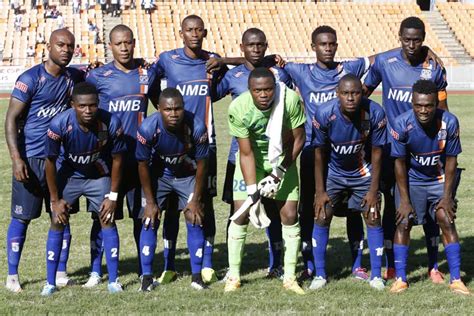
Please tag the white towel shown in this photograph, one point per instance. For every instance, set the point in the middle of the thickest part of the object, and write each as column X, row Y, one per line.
column 274, row 126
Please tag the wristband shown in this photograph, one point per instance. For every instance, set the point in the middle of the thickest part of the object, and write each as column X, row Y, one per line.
column 112, row 196
column 251, row 189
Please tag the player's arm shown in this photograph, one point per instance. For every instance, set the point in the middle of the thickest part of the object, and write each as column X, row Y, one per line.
column 195, row 205
column 446, row 203
column 15, row 110
column 443, row 100
column 293, row 146
column 247, row 161
column 321, row 198
column 371, row 199
column 154, row 92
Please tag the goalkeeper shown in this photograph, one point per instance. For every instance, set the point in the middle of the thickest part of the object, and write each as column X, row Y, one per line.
column 268, row 122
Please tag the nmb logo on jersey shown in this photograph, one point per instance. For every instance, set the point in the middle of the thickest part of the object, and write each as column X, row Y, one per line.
column 50, row 111
column 127, row 104
column 427, row 161
column 401, row 95
column 84, row 159
column 321, row 97
column 196, row 88
column 347, row 149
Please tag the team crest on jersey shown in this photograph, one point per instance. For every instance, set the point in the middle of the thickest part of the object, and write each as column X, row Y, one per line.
column 69, row 128
column 143, row 77
column 332, row 117
column 425, row 74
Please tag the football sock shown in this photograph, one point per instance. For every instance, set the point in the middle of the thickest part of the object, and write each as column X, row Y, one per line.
column 401, row 255
column 388, row 225
column 275, row 243
column 453, row 256
column 15, row 239
column 306, row 225
column 62, row 266
column 320, row 242
column 431, row 230
column 209, row 228
column 147, row 252
column 53, row 252
column 137, row 229
column 195, row 246
column 375, row 241
column 170, row 236
column 292, row 238
column 97, row 247
column 235, row 245
column 355, row 235
column 112, row 251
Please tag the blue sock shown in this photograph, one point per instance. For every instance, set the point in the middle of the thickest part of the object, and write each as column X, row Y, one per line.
column 137, row 229
column 453, row 256
column 53, row 252
column 306, row 226
column 389, row 227
column 375, row 241
column 15, row 239
column 320, row 242
column 307, row 253
column 112, row 251
column 195, row 246
column 62, row 266
column 431, row 230
column 97, row 247
column 355, row 235
column 275, row 243
column 147, row 252
column 170, row 236
column 401, row 254
column 209, row 227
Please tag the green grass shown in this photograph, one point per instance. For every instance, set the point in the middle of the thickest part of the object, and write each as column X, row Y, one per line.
column 342, row 295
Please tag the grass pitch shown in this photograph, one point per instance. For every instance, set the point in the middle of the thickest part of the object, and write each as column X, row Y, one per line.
column 341, row 296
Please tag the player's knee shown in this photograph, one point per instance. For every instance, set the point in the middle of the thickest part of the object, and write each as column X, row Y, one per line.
column 444, row 222
column 324, row 222
column 56, row 225
column 373, row 222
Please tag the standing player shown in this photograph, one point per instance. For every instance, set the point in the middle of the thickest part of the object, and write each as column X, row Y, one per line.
column 39, row 94
column 235, row 81
column 177, row 145
column 249, row 116
column 84, row 150
column 425, row 146
column 398, row 70
column 185, row 70
column 124, row 87
column 349, row 134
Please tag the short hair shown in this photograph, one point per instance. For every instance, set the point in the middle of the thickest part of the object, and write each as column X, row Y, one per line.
column 253, row 31
column 261, row 72
column 84, row 88
column 170, row 93
column 412, row 22
column 191, row 17
column 349, row 77
column 120, row 28
column 322, row 29
column 425, row 87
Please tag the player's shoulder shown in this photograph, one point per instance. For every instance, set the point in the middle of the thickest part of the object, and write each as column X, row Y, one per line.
column 406, row 121
column 447, row 117
column 210, row 54
column 328, row 110
column 372, row 106
column 102, row 71
column 292, row 66
column 64, row 118
column 32, row 74
column 291, row 95
column 390, row 57
column 236, row 72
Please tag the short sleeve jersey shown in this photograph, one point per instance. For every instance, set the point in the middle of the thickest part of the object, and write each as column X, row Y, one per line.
column 426, row 155
column 350, row 142
column 84, row 154
column 171, row 154
column 45, row 97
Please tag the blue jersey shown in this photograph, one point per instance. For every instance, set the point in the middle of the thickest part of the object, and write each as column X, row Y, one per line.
column 189, row 76
column 126, row 95
column 351, row 144
column 45, row 96
column 172, row 155
column 235, row 82
column 317, row 85
column 397, row 77
column 84, row 154
column 426, row 154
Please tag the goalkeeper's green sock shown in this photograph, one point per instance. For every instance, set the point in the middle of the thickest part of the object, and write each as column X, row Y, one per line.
column 235, row 245
column 291, row 237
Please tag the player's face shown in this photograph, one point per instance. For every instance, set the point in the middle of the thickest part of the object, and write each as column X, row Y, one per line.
column 193, row 33
column 412, row 41
column 254, row 47
column 325, row 47
column 86, row 107
column 172, row 111
column 262, row 91
column 61, row 48
column 349, row 93
column 424, row 106
column 122, row 45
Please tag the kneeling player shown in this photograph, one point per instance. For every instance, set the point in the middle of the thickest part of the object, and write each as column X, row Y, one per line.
column 354, row 128
column 177, row 145
column 250, row 121
column 89, row 144
column 428, row 138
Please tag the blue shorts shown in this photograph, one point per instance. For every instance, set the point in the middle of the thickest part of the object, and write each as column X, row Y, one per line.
column 94, row 190
column 339, row 189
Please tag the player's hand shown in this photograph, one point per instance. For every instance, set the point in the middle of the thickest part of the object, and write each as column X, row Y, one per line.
column 107, row 211
column 20, row 170
column 321, row 200
column 60, row 210
column 194, row 212
column 371, row 202
column 214, row 64
column 430, row 55
column 270, row 185
column 405, row 213
column 448, row 205
column 279, row 61
column 151, row 215
column 94, row 65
